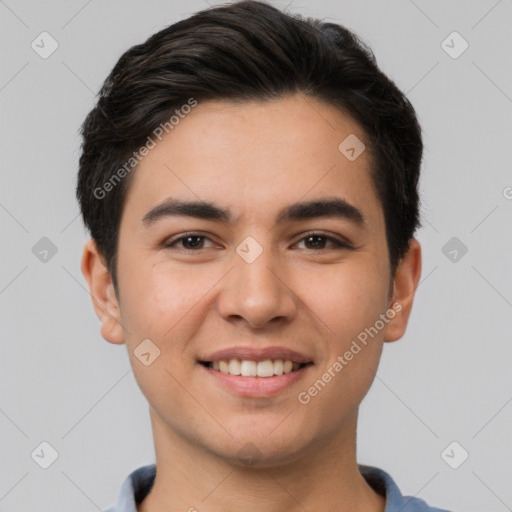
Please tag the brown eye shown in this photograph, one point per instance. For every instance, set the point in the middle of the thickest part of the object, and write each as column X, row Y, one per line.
column 189, row 242
column 318, row 241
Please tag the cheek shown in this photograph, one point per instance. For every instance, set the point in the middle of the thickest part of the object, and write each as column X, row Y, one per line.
column 347, row 298
column 154, row 295
column 167, row 303
column 158, row 304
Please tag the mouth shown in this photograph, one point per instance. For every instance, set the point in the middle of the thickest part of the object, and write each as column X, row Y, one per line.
column 250, row 368
column 255, row 373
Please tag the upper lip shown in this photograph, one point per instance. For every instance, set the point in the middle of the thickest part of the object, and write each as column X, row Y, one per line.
column 257, row 354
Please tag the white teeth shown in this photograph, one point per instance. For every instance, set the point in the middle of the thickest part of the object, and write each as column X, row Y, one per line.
column 265, row 368
column 246, row 368
column 223, row 367
column 235, row 367
column 278, row 367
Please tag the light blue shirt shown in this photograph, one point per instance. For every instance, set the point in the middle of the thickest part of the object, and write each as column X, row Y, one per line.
column 138, row 484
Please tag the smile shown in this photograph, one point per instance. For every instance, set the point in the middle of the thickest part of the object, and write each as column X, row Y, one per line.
column 255, row 372
column 248, row 368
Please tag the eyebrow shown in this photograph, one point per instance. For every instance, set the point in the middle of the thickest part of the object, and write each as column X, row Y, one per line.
column 331, row 207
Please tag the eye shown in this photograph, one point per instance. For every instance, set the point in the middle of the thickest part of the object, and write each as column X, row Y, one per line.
column 189, row 242
column 317, row 241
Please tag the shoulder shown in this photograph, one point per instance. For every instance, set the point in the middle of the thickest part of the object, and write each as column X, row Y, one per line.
column 134, row 489
column 384, row 484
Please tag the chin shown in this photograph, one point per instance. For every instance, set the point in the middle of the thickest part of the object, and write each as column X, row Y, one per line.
column 262, row 450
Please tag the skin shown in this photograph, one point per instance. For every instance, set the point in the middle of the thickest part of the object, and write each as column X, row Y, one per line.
column 254, row 159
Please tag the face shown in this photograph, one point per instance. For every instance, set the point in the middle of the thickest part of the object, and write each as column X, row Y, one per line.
column 278, row 277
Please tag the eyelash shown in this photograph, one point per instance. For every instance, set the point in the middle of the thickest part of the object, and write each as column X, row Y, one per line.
column 339, row 245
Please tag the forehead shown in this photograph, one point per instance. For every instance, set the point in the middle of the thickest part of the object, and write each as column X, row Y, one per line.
column 256, row 157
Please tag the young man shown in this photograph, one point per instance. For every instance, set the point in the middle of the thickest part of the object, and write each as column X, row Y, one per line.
column 249, row 180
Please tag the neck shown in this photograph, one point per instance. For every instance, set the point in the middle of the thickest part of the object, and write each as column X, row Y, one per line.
column 324, row 479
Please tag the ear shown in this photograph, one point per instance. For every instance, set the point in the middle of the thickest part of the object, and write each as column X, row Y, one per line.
column 102, row 293
column 405, row 283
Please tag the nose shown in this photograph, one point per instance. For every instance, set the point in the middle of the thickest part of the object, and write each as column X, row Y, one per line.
column 257, row 292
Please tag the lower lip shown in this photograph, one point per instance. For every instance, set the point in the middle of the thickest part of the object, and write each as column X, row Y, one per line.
column 257, row 387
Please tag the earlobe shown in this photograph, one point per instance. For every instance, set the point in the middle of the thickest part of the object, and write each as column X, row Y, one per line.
column 102, row 292
column 406, row 281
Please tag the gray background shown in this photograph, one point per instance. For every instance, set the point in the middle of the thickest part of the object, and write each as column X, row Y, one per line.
column 447, row 380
